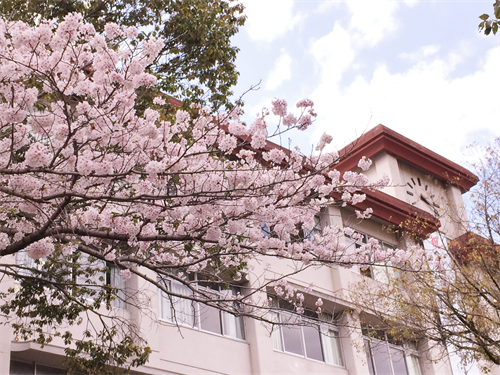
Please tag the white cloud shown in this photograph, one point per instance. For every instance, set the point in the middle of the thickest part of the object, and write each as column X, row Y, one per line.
column 333, row 53
column 372, row 20
column 411, row 3
column 422, row 53
column 423, row 103
column 281, row 71
column 325, row 6
column 270, row 19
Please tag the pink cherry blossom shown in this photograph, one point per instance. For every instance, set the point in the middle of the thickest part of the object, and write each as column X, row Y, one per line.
column 324, row 140
column 304, row 103
column 40, row 249
column 279, row 107
column 289, row 120
column 364, row 163
column 82, row 169
column 37, row 155
column 126, row 274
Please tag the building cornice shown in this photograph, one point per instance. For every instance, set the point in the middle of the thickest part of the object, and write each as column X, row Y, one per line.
column 400, row 213
column 397, row 212
column 381, row 138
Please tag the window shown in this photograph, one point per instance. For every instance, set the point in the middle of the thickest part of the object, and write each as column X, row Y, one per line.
column 99, row 274
column 102, row 273
column 116, row 281
column 23, row 368
column 23, row 260
column 386, row 358
column 198, row 315
column 379, row 272
column 307, row 337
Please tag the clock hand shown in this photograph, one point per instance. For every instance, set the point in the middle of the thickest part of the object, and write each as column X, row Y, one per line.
column 425, row 199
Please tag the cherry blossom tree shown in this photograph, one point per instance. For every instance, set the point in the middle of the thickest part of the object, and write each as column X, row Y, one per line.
column 89, row 182
column 197, row 59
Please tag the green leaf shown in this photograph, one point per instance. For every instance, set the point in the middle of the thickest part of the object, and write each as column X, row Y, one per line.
column 497, row 11
column 494, row 28
column 484, row 17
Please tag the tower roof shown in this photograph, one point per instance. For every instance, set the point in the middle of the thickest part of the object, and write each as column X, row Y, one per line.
column 381, row 138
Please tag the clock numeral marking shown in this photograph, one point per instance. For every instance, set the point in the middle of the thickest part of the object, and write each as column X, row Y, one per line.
column 413, row 181
column 419, row 183
column 409, row 193
column 409, row 185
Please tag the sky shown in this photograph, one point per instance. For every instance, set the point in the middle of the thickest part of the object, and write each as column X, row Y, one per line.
column 419, row 67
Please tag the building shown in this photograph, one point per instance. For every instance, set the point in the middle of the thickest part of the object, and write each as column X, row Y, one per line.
column 207, row 341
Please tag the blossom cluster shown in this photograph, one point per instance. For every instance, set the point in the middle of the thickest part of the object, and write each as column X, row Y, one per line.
column 80, row 165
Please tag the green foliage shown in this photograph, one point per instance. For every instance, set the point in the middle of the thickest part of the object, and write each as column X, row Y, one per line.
column 116, row 351
column 488, row 24
column 197, row 62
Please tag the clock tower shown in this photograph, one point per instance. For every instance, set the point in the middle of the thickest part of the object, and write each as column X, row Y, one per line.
column 423, row 183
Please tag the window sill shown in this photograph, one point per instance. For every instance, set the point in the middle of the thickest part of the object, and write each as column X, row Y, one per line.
column 169, row 323
column 309, row 359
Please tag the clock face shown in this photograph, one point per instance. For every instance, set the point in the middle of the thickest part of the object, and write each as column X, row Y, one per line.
column 420, row 191
column 423, row 191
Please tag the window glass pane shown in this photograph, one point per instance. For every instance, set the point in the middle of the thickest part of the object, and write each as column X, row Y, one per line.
column 233, row 325
column 91, row 281
column 44, row 370
column 165, row 303
column 380, row 353
column 23, row 260
column 292, row 338
column 88, row 262
column 331, row 347
column 210, row 319
column 398, row 361
column 369, row 357
column 183, row 309
column 118, row 282
column 165, row 306
column 21, row 368
column 351, row 245
column 413, row 363
column 366, row 271
column 276, row 332
column 312, row 341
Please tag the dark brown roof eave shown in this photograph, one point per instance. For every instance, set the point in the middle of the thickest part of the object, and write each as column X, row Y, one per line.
column 381, row 138
column 398, row 213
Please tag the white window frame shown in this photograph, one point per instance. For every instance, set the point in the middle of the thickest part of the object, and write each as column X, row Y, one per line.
column 231, row 326
column 411, row 358
column 327, row 334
